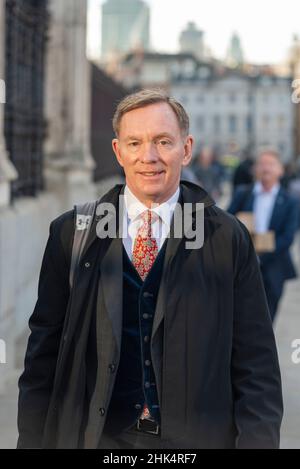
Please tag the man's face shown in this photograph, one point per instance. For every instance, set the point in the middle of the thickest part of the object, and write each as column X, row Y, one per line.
column 152, row 150
column 268, row 170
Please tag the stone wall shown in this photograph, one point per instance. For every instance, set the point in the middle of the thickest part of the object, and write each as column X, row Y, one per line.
column 24, row 226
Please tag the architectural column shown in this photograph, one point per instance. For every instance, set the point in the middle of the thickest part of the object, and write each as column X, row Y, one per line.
column 8, row 172
column 69, row 164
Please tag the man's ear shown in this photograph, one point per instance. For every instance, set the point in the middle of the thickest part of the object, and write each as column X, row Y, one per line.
column 188, row 150
column 116, row 149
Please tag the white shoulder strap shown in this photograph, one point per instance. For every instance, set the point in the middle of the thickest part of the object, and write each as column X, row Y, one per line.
column 84, row 215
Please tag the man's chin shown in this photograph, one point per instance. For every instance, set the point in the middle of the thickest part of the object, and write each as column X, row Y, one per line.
column 152, row 193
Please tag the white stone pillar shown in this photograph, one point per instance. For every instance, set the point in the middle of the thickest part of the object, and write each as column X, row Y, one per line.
column 8, row 172
column 69, row 164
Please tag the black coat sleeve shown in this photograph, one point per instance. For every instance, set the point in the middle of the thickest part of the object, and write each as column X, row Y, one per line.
column 46, row 324
column 256, row 379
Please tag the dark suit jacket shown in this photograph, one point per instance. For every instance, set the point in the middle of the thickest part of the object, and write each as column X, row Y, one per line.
column 212, row 346
column 284, row 222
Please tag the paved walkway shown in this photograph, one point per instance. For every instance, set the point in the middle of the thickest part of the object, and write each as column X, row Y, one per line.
column 287, row 329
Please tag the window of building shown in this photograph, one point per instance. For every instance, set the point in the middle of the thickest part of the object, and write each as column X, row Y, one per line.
column 232, row 124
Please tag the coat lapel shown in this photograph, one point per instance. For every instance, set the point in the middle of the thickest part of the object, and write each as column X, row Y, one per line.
column 249, row 202
column 171, row 249
column 186, row 196
column 111, row 269
column 112, row 198
column 112, row 282
column 111, row 265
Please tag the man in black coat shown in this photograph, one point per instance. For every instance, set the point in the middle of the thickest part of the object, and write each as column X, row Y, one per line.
column 274, row 210
column 163, row 341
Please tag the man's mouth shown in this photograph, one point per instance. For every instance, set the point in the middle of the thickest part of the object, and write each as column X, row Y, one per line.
column 151, row 173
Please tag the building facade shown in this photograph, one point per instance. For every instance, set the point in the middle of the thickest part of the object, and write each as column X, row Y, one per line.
column 192, row 41
column 125, row 26
column 294, row 65
column 234, row 112
column 235, row 54
column 106, row 93
column 151, row 69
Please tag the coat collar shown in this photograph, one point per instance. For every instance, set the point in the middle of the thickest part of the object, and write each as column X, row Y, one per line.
column 189, row 193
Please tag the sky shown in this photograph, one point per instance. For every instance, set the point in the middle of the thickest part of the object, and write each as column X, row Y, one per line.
column 266, row 27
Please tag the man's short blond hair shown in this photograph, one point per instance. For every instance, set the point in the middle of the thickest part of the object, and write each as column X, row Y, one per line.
column 269, row 151
column 146, row 98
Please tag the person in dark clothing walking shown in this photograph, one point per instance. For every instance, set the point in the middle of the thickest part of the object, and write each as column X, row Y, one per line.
column 274, row 210
column 244, row 173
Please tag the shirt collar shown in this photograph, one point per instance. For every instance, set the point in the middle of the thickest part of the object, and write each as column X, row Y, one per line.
column 258, row 189
column 135, row 207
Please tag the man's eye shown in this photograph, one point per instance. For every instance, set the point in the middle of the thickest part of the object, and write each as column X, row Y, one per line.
column 133, row 144
column 164, row 142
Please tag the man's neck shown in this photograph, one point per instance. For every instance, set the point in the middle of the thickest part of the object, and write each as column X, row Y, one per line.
column 268, row 186
column 153, row 201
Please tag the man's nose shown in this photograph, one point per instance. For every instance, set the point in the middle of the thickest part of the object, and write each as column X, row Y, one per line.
column 149, row 154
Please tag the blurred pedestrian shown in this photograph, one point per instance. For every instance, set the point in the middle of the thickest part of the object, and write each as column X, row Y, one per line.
column 293, row 185
column 274, row 210
column 208, row 171
column 243, row 174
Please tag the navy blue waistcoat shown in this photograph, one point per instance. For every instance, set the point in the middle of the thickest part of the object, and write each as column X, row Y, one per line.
column 135, row 380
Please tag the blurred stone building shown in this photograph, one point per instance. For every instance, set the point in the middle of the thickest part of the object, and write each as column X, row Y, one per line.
column 153, row 69
column 235, row 111
column 105, row 95
column 125, row 27
column 294, row 65
column 191, row 40
column 46, row 163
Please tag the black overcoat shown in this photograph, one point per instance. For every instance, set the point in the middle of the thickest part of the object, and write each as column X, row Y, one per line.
column 212, row 346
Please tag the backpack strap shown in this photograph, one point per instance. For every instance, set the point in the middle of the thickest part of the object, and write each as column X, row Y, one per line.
column 83, row 216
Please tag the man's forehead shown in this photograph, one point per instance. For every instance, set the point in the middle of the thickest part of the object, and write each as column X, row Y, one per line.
column 270, row 158
column 147, row 123
column 152, row 114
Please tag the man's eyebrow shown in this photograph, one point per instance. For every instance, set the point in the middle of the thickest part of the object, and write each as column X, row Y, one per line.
column 164, row 134
column 132, row 137
column 160, row 135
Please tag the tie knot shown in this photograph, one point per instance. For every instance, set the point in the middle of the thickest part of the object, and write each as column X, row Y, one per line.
column 148, row 217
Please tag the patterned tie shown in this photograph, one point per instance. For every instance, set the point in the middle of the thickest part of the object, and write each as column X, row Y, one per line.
column 144, row 254
column 145, row 247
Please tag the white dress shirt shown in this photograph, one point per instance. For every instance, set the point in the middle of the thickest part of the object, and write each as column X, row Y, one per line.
column 132, row 220
column 264, row 202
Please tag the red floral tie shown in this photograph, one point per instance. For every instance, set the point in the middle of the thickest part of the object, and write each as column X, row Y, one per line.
column 144, row 254
column 145, row 247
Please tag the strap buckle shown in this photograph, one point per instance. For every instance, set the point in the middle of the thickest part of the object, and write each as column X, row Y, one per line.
column 148, row 426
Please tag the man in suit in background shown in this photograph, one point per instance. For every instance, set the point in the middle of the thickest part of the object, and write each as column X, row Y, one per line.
column 154, row 346
column 274, row 210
